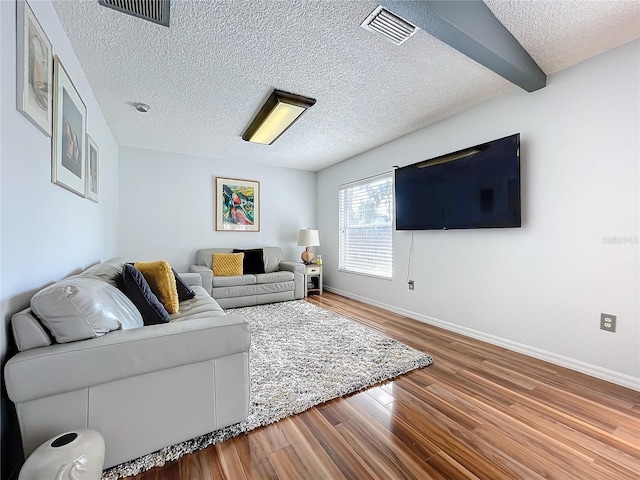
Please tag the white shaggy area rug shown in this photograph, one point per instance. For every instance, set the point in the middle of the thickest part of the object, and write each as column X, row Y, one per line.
column 301, row 355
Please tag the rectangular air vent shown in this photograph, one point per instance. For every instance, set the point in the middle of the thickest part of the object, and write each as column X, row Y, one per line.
column 156, row 11
column 389, row 25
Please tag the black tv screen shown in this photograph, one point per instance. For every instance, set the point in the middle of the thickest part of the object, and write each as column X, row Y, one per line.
column 478, row 187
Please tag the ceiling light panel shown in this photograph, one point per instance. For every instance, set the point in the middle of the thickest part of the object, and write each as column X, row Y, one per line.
column 276, row 116
column 282, row 114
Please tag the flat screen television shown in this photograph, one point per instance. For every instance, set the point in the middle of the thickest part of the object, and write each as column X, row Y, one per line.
column 478, row 187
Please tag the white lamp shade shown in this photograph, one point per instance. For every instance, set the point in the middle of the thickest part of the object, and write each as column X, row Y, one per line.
column 308, row 238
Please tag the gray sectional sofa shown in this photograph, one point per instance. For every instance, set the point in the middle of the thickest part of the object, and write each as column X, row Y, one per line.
column 142, row 388
column 283, row 280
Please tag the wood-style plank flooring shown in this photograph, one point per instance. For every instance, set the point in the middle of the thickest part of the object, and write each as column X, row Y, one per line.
column 479, row 411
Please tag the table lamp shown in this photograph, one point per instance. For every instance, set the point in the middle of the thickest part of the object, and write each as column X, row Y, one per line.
column 308, row 238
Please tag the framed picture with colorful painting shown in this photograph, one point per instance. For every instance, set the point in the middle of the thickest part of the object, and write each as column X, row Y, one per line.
column 69, row 133
column 237, row 205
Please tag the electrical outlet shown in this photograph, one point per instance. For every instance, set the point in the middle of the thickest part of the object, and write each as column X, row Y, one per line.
column 411, row 285
column 607, row 322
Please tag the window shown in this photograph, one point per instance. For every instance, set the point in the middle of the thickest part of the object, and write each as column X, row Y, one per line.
column 366, row 233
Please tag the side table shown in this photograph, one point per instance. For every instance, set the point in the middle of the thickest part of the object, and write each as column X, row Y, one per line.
column 312, row 279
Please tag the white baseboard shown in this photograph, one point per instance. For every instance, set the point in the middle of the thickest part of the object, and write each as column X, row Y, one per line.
column 567, row 362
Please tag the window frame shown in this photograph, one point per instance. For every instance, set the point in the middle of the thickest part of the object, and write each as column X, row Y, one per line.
column 346, row 266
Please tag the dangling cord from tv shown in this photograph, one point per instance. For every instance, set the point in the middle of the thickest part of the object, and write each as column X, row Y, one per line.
column 410, row 255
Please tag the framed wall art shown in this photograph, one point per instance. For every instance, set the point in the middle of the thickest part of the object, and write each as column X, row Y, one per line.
column 34, row 67
column 92, row 170
column 69, row 133
column 237, row 205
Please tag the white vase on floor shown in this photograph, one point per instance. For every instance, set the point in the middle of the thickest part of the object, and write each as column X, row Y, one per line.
column 77, row 455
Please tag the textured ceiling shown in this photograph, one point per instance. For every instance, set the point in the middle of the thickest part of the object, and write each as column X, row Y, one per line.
column 207, row 75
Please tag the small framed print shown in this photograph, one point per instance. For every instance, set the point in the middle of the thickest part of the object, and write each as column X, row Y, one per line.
column 92, row 170
column 237, row 205
column 34, row 68
column 69, row 133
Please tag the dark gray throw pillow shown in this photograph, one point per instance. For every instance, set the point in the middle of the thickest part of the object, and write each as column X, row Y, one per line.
column 184, row 291
column 253, row 260
column 137, row 289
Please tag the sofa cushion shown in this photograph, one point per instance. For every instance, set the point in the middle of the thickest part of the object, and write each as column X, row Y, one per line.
column 81, row 307
column 274, row 277
column 236, row 291
column 237, row 302
column 274, row 287
column 251, row 290
column 234, row 281
column 184, row 290
column 137, row 289
column 227, row 264
column 162, row 282
column 272, row 258
column 253, row 261
column 202, row 305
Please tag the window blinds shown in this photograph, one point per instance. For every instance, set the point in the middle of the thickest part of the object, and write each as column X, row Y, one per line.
column 366, row 230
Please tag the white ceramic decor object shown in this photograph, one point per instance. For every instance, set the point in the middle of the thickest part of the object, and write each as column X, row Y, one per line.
column 77, row 455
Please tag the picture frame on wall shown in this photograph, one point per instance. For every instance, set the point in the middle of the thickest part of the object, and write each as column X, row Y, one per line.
column 237, row 205
column 68, row 163
column 34, row 69
column 92, row 170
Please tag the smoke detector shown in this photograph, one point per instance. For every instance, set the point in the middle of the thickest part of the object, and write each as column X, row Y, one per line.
column 156, row 11
column 389, row 25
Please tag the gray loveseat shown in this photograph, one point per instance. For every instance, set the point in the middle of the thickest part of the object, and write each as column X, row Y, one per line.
column 142, row 388
column 283, row 280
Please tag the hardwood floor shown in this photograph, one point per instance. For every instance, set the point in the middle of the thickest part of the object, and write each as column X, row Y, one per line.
column 479, row 411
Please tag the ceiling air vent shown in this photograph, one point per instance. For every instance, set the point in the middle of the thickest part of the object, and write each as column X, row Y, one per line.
column 156, row 11
column 389, row 25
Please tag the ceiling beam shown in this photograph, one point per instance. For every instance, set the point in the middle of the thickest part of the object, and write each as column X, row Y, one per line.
column 472, row 29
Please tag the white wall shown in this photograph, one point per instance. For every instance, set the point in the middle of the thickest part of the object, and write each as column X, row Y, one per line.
column 47, row 232
column 539, row 289
column 167, row 206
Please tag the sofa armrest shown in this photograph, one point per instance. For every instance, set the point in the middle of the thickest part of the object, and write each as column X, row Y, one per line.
column 298, row 276
column 120, row 354
column 191, row 279
column 207, row 276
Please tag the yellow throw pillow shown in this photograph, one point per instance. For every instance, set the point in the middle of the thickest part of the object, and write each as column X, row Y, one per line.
column 160, row 278
column 227, row 264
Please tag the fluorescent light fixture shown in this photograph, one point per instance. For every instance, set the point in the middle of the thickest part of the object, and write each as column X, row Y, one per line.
column 278, row 113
